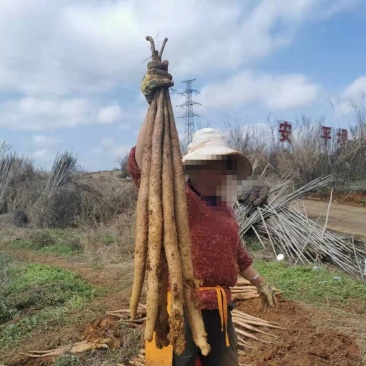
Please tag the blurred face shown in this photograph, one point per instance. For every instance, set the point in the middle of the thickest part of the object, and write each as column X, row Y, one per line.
column 215, row 177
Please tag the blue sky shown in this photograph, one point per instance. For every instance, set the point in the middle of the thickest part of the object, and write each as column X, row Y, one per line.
column 70, row 71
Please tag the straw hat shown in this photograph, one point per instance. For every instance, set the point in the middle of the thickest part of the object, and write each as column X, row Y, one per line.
column 209, row 144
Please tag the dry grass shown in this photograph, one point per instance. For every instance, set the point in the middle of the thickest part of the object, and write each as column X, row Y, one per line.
column 110, row 243
column 306, row 157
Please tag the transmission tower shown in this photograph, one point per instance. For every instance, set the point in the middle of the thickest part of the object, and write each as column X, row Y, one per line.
column 188, row 115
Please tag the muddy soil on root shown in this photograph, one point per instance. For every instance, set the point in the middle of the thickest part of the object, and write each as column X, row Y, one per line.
column 301, row 343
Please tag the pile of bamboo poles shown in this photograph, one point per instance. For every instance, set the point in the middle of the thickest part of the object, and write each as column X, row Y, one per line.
column 162, row 245
column 288, row 230
column 245, row 325
column 243, row 290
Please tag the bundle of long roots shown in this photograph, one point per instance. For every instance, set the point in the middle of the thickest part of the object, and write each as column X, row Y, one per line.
column 162, row 246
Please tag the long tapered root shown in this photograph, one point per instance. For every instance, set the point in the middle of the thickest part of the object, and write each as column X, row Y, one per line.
column 181, row 215
column 142, row 215
column 155, row 222
column 162, row 246
column 176, row 335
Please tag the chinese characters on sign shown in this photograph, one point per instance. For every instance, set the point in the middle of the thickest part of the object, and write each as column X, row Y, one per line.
column 285, row 130
column 342, row 136
column 326, row 134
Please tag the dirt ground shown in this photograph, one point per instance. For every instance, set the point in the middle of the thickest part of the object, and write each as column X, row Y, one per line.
column 351, row 198
column 342, row 217
column 302, row 342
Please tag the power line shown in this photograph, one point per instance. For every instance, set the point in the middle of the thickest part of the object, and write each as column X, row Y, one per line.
column 189, row 114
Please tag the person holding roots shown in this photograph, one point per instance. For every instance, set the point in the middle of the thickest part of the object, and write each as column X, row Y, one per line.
column 214, row 173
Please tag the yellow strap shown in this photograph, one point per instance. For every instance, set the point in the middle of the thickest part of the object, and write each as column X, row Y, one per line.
column 222, row 302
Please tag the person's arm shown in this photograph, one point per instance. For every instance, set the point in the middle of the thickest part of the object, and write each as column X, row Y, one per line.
column 247, row 270
column 140, row 144
column 253, row 276
column 133, row 168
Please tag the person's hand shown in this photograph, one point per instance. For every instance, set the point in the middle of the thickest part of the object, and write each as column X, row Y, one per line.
column 268, row 296
column 156, row 76
column 257, row 197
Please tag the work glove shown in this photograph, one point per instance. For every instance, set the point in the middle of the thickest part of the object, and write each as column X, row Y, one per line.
column 268, row 296
column 156, row 76
column 257, row 197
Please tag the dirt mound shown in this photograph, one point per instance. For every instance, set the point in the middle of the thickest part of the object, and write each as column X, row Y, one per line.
column 102, row 329
column 301, row 343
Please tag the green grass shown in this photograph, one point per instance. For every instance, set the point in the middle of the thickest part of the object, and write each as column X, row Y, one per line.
column 108, row 239
column 303, row 283
column 34, row 296
column 67, row 360
column 47, row 318
column 56, row 241
column 253, row 244
column 37, row 285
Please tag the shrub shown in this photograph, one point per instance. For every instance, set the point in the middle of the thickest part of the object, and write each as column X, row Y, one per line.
column 61, row 209
column 41, row 238
column 20, row 218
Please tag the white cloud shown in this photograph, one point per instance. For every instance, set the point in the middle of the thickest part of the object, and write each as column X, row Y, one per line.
column 277, row 92
column 108, row 142
column 355, row 90
column 73, row 47
column 39, row 154
column 35, row 113
column 44, row 140
column 121, row 150
column 110, row 114
column 109, row 146
column 352, row 95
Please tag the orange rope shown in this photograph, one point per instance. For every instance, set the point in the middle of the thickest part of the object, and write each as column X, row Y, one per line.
column 222, row 302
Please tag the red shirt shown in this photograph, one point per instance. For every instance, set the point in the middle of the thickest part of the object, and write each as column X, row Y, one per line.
column 217, row 252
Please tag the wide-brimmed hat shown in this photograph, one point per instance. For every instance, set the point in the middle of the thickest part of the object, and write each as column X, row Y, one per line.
column 209, row 144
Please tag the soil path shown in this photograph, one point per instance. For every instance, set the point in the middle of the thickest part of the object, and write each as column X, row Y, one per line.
column 342, row 218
